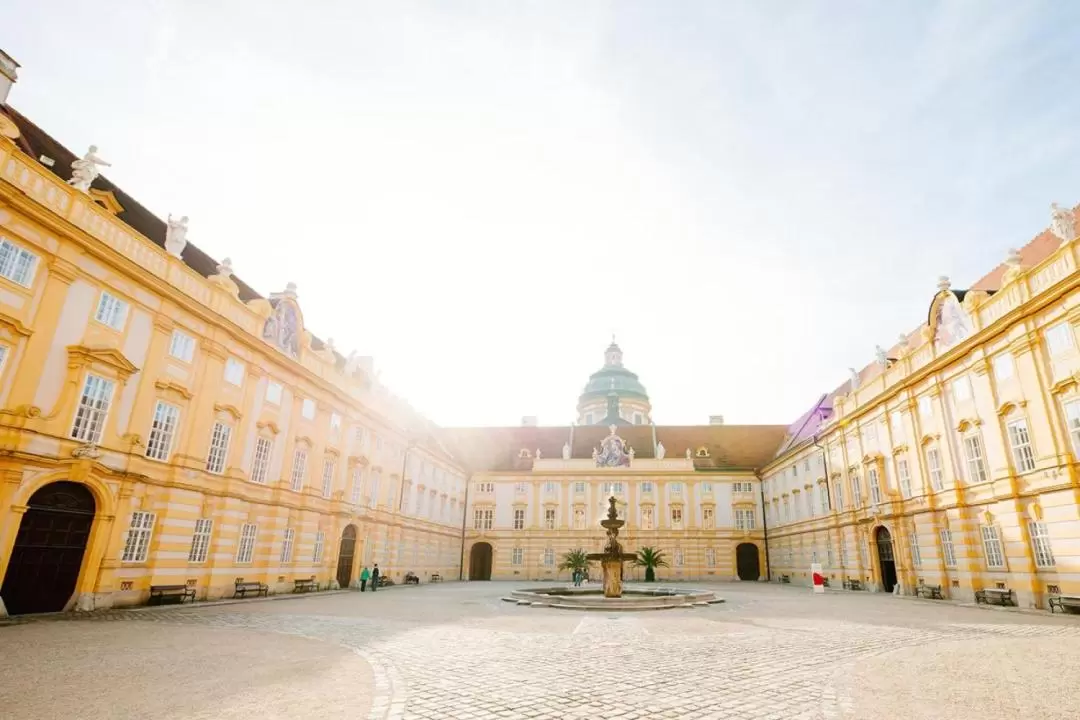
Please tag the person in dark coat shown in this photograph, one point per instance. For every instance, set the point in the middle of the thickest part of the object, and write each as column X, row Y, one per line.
column 375, row 578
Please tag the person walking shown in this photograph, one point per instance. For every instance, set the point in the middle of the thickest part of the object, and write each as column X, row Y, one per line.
column 375, row 578
column 364, row 575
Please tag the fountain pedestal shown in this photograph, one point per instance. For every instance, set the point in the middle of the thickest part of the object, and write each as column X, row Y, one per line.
column 612, row 577
column 612, row 559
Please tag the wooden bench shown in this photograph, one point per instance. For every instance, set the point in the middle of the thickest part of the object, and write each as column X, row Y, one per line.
column 258, row 588
column 994, row 596
column 436, row 578
column 159, row 594
column 384, row 581
column 851, row 584
column 784, row 579
column 305, row 586
column 929, row 591
column 411, row 578
column 1063, row 601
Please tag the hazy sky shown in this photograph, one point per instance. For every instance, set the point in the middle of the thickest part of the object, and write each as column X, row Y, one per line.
column 750, row 195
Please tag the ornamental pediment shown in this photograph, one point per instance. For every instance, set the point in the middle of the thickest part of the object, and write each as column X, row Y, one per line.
column 83, row 356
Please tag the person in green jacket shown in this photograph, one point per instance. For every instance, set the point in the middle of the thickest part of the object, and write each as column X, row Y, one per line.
column 364, row 576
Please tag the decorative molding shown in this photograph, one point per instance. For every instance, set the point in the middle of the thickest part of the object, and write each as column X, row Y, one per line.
column 268, row 425
column 1008, row 406
column 900, row 449
column 304, row 440
column 967, row 423
column 227, row 408
column 14, row 325
column 88, row 450
column 929, row 439
column 107, row 200
column 171, row 386
column 1064, row 385
column 63, row 270
column 1035, row 511
column 81, row 356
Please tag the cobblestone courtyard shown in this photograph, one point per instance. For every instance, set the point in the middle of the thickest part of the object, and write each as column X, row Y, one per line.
column 457, row 651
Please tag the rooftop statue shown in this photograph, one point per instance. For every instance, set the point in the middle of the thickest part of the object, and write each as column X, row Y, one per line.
column 660, row 451
column 176, row 235
column 1062, row 222
column 85, row 171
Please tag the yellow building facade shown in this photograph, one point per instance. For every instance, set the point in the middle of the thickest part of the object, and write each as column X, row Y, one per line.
column 950, row 460
column 163, row 424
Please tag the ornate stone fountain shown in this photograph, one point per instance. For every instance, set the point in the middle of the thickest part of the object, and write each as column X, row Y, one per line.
column 613, row 557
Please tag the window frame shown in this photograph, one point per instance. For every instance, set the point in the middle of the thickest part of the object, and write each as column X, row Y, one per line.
column 1042, row 550
column 115, row 310
column 1020, row 445
column 217, row 454
column 139, row 534
column 90, row 427
column 260, row 461
column 992, row 546
column 164, row 428
column 14, row 254
column 233, row 367
column 200, row 540
column 186, row 346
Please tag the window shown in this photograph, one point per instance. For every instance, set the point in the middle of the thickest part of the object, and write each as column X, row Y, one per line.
column 647, row 518
column 933, row 463
column 549, row 488
column 1059, row 338
column 335, row 423
column 485, row 487
column 838, row 494
column 637, row 419
column 992, row 547
column 519, row 519
column 973, row 449
column 856, row 490
column 549, row 557
column 787, row 510
column 162, row 430
column 287, row 545
column 482, row 518
column 742, row 487
column 678, row 557
column 111, row 311
column 1020, row 441
column 329, row 467
column 1040, row 544
column 708, row 518
column 93, row 409
column 588, row 418
column 375, row 478
column 1004, row 368
column 744, row 519
column 809, row 498
column 579, row 487
column 517, row 557
column 916, row 553
column 706, row 487
column 16, row 264
column 843, row 551
column 182, row 346
column 904, row 476
column 137, row 543
column 676, row 488
column 875, row 485
column 961, row 389
column 947, row 551
column 200, row 540
column 710, row 557
column 320, row 541
column 307, row 409
column 926, row 406
column 219, row 448
column 273, row 393
column 579, row 519
column 246, row 549
column 357, row 484
column 261, row 464
column 299, row 470
column 234, row 372
column 521, row 488
column 549, row 518
column 676, row 517
column 823, row 495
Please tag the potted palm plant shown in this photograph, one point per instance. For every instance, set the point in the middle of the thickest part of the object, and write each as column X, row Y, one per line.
column 650, row 558
column 575, row 561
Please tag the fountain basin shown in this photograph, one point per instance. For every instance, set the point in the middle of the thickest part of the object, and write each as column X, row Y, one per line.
column 568, row 597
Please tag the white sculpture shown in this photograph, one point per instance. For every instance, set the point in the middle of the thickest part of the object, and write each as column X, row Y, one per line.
column 595, row 453
column 84, row 171
column 631, row 453
column 176, row 235
column 1062, row 222
column 943, row 283
column 225, row 268
column 537, row 453
column 688, row 456
column 660, row 451
column 854, row 378
column 882, row 358
column 566, row 451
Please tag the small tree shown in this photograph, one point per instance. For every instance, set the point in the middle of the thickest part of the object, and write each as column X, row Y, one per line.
column 575, row 560
column 650, row 558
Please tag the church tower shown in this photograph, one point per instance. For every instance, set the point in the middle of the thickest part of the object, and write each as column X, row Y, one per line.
column 614, row 395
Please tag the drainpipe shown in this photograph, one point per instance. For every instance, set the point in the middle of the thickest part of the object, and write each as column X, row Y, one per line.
column 464, row 519
column 828, row 478
column 653, row 426
column 764, row 525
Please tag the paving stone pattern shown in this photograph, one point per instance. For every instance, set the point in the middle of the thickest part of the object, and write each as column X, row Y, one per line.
column 456, row 651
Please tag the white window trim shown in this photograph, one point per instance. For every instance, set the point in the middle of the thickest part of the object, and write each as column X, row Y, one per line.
column 234, row 367
column 182, row 346
column 164, row 424
column 218, row 454
column 137, row 541
column 92, row 412
column 14, row 253
column 200, row 540
column 111, row 311
column 245, row 548
column 260, row 462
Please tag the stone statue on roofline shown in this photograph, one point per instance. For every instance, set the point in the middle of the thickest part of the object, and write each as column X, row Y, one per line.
column 854, row 378
column 1062, row 222
column 881, row 356
column 225, row 269
column 176, row 235
column 566, row 451
column 688, row 454
column 85, row 170
column 660, row 451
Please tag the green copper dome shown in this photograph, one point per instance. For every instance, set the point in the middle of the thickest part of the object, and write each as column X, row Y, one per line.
column 613, row 377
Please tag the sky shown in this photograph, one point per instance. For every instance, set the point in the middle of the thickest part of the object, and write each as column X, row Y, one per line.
column 749, row 195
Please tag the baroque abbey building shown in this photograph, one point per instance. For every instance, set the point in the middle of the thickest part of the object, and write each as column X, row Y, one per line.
column 162, row 423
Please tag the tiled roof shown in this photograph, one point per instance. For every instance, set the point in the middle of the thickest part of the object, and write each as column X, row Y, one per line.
column 807, row 425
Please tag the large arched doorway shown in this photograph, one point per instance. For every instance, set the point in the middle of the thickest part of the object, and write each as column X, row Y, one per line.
column 747, row 565
column 885, row 558
column 346, row 551
column 49, row 549
column 480, row 561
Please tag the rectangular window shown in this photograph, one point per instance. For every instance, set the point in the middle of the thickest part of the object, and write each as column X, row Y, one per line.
column 485, row 487
column 482, row 518
column 742, row 487
column 710, row 557
column 961, row 389
column 287, row 545
column 1040, row 544
column 219, row 448
column 261, row 464
column 856, row 491
column 904, row 476
column 1059, row 338
column 3, row 357
column 182, row 346
column 93, row 409
column 676, row 488
column 517, row 557
column 896, row 420
column 137, row 544
column 933, row 463
column 708, row 518
column 647, row 518
column 234, row 372
column 947, row 551
column 823, row 498
column 335, row 423
column 200, row 540
column 549, row 557
column 329, row 468
column 549, row 488
column 992, row 547
column 299, row 470
column 676, row 517
column 162, row 431
column 357, row 484
column 320, row 541
column 838, row 494
column 926, row 406
column 874, row 482
column 17, row 264
column 519, row 519
column 376, row 477
column 678, row 557
column 745, row 519
column 976, row 463
column 579, row 519
column 916, row 553
column 809, row 503
column 111, row 311
column 579, row 487
column 307, row 409
column 246, row 549
column 843, row 551
column 706, row 487
column 549, row 518
column 273, row 393
column 359, row 437
column 1020, row 440
column 1004, row 367
column 521, row 488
